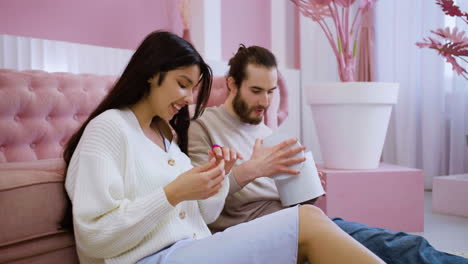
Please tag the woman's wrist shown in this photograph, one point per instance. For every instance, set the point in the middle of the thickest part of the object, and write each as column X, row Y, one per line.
column 172, row 195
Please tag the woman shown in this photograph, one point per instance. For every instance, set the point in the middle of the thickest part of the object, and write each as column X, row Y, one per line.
column 136, row 197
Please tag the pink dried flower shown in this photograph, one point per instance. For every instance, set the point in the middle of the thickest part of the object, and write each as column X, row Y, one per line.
column 450, row 8
column 430, row 43
column 453, row 36
column 366, row 4
column 449, row 51
column 314, row 9
column 455, row 49
column 455, row 66
column 320, row 2
column 344, row 3
column 344, row 38
column 453, row 44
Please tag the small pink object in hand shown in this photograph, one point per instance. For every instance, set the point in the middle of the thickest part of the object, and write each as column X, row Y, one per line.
column 215, row 146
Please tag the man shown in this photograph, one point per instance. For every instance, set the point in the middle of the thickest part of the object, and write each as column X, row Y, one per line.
column 252, row 81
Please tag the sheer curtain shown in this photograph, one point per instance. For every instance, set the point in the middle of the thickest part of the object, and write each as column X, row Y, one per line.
column 365, row 59
column 431, row 118
column 24, row 53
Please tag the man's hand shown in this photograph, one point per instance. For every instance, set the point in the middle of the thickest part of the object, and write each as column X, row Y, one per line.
column 229, row 155
column 268, row 161
column 322, row 178
column 313, row 201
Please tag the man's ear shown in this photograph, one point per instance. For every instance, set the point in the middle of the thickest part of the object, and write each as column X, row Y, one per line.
column 232, row 87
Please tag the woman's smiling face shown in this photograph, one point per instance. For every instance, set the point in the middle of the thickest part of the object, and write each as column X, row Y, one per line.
column 175, row 91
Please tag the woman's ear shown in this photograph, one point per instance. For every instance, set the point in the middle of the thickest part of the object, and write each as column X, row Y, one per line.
column 154, row 79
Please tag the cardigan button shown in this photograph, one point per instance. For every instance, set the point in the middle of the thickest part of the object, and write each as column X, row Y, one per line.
column 182, row 215
column 171, row 162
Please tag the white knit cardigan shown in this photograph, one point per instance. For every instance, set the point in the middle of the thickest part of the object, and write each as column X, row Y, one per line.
column 115, row 181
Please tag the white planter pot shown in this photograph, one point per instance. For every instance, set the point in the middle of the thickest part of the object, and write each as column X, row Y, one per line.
column 351, row 120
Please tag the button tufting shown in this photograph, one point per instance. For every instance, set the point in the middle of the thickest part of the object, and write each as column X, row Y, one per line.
column 75, row 117
column 48, row 118
column 32, row 145
column 17, row 118
column 2, row 148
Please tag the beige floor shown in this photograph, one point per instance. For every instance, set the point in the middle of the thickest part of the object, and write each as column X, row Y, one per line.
column 444, row 232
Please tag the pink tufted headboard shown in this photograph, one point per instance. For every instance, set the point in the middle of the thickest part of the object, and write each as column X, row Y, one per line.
column 39, row 111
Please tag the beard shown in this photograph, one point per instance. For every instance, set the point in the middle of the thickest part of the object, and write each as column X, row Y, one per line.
column 244, row 112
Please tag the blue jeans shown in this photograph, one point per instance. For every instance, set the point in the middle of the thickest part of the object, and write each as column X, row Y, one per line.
column 397, row 247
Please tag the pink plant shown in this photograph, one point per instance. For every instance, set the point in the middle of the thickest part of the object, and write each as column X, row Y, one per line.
column 344, row 39
column 451, row 44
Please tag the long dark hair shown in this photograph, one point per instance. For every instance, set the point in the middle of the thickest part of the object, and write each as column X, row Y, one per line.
column 159, row 53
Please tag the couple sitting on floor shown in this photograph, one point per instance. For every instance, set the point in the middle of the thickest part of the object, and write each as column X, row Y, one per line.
column 137, row 197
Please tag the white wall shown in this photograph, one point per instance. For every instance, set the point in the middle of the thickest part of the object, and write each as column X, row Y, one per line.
column 205, row 23
column 292, row 125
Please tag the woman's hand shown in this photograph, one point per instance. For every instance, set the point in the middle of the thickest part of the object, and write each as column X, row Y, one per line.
column 198, row 183
column 229, row 155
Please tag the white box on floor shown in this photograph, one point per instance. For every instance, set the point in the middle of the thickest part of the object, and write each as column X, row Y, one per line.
column 450, row 194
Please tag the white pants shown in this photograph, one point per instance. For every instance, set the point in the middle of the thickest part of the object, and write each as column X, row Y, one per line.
column 271, row 239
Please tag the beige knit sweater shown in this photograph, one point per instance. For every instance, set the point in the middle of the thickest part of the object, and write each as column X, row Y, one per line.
column 218, row 126
column 115, row 181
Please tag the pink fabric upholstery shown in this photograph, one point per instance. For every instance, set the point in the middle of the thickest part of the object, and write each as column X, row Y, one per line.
column 38, row 113
column 219, row 91
column 41, row 197
column 43, row 109
column 57, row 248
column 40, row 110
column 56, row 165
column 281, row 113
